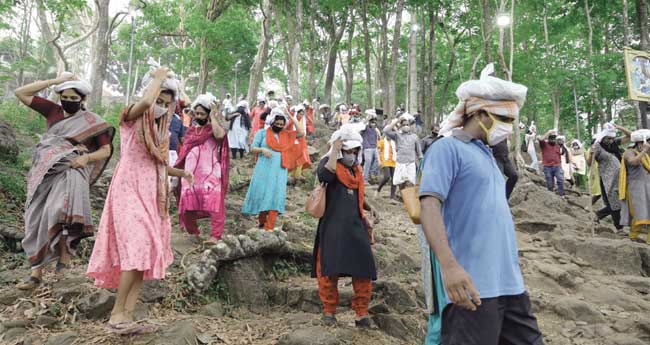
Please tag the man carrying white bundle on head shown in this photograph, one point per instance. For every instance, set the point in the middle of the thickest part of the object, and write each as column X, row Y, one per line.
column 467, row 222
column 407, row 146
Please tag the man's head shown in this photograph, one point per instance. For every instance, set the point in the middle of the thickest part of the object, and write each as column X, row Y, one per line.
column 552, row 139
column 488, row 127
column 608, row 141
column 435, row 129
column 372, row 123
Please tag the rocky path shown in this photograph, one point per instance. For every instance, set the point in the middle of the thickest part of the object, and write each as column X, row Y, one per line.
column 585, row 289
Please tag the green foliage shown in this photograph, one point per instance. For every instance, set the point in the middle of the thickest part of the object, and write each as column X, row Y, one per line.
column 21, row 118
column 284, row 269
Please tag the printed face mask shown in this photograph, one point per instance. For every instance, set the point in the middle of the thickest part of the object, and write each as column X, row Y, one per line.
column 498, row 132
column 159, row 111
column 71, row 107
column 348, row 159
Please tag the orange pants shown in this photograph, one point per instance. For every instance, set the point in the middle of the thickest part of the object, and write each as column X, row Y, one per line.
column 267, row 219
column 329, row 292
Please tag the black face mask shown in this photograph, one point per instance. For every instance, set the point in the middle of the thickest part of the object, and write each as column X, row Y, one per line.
column 434, row 134
column 70, row 107
column 201, row 122
column 552, row 142
column 277, row 129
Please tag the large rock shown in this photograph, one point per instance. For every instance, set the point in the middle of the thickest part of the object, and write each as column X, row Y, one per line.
column 574, row 309
column 392, row 325
column 396, row 296
column 8, row 147
column 316, row 335
column 154, row 291
column 618, row 256
column 97, row 305
column 244, row 283
column 181, row 332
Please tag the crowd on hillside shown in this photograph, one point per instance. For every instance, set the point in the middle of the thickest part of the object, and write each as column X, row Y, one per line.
column 454, row 179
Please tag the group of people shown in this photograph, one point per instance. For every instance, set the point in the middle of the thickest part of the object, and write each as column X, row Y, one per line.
column 617, row 176
column 474, row 287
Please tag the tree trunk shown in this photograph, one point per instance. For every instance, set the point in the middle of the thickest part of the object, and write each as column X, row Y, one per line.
column 257, row 69
column 486, row 29
column 643, row 17
column 555, row 101
column 366, row 46
column 422, row 81
column 61, row 62
column 99, row 54
column 391, row 103
column 294, row 31
column 431, row 92
column 335, row 37
column 214, row 10
column 413, row 71
column 24, row 39
column 349, row 76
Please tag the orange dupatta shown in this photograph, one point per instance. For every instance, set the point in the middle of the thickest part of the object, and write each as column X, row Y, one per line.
column 283, row 144
column 352, row 181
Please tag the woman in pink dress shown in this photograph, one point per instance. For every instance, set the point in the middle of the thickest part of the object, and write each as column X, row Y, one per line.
column 133, row 241
column 205, row 153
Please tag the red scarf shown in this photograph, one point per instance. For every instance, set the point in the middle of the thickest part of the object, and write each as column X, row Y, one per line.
column 283, row 144
column 345, row 176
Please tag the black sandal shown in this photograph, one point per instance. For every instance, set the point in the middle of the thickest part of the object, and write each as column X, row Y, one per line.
column 29, row 283
column 365, row 323
column 61, row 267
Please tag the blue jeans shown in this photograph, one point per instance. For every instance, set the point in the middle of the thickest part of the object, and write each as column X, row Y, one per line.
column 371, row 163
column 554, row 173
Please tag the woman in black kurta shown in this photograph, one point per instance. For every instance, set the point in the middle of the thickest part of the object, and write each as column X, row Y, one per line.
column 342, row 246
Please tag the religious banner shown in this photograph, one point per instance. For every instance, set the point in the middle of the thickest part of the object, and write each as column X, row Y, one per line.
column 637, row 71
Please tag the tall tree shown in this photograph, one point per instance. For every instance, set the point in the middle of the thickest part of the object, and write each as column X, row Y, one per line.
column 214, row 10
column 334, row 24
column 412, row 69
column 257, row 68
column 391, row 103
column 366, row 55
column 348, row 72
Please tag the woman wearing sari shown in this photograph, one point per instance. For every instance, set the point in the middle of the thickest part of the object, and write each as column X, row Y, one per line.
column 69, row 158
column 205, row 154
column 267, row 192
column 299, row 152
column 634, row 185
column 133, row 241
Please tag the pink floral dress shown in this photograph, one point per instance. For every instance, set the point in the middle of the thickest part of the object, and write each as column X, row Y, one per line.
column 133, row 234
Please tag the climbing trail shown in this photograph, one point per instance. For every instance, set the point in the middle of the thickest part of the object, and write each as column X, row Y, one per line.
column 587, row 284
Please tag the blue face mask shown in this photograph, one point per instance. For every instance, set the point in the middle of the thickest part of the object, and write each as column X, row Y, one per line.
column 348, row 159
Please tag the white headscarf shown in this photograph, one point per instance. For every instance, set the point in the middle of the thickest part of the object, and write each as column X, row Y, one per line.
column 489, row 93
column 576, row 141
column 82, row 86
column 171, row 84
column 608, row 131
column 243, row 103
column 640, row 135
column 351, row 139
column 205, row 100
column 275, row 113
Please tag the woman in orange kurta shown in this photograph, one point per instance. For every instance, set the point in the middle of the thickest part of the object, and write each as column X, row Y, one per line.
column 300, row 151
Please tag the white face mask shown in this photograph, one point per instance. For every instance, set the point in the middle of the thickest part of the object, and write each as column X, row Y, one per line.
column 159, row 111
column 499, row 131
column 405, row 129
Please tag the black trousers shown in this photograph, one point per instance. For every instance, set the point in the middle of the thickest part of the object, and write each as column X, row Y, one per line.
column 607, row 210
column 504, row 320
column 508, row 169
column 235, row 151
column 388, row 175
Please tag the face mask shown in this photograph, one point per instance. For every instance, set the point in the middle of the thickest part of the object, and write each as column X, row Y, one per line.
column 348, row 159
column 498, row 132
column 70, row 107
column 434, row 134
column 405, row 129
column 551, row 142
column 276, row 128
column 159, row 111
column 201, row 122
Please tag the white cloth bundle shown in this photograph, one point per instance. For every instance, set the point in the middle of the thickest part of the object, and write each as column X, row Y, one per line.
column 640, row 135
column 489, row 93
column 351, row 139
column 82, row 86
column 407, row 117
column 298, row 108
column 576, row 141
column 205, row 100
column 608, row 131
column 243, row 103
column 170, row 83
column 276, row 112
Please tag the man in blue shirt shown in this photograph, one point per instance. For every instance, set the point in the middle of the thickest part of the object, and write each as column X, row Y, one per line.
column 467, row 221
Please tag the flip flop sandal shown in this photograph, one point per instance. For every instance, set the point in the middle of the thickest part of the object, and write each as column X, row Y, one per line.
column 29, row 283
column 146, row 328
column 123, row 328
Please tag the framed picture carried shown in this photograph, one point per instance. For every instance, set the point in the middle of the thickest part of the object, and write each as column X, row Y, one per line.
column 637, row 72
